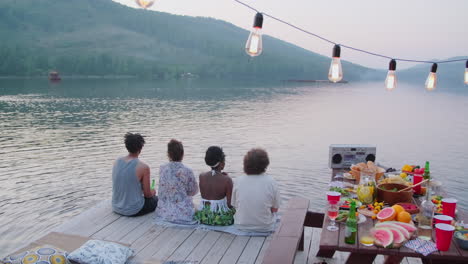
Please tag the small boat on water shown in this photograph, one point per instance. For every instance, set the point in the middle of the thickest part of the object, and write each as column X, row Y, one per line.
column 54, row 76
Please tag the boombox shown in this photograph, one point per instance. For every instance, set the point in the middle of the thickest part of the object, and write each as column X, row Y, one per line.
column 342, row 156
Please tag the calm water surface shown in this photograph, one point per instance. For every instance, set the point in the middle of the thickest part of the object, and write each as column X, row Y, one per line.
column 58, row 141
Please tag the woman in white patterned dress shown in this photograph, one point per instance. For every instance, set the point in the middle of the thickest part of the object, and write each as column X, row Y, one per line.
column 177, row 186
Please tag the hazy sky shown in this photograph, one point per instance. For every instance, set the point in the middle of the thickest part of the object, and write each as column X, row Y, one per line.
column 415, row 29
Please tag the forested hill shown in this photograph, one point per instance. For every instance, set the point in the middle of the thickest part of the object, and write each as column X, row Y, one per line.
column 101, row 37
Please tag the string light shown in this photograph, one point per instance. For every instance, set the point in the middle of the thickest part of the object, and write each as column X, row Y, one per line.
column 254, row 45
column 466, row 72
column 144, row 3
column 391, row 80
column 431, row 81
column 335, row 74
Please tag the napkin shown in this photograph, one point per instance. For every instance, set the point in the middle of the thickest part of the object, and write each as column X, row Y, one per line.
column 424, row 247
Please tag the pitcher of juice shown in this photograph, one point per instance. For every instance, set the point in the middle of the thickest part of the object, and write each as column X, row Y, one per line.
column 366, row 191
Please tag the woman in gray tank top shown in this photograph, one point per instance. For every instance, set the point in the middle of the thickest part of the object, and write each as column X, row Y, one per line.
column 131, row 192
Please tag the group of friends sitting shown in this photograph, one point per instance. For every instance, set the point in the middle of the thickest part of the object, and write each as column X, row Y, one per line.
column 250, row 202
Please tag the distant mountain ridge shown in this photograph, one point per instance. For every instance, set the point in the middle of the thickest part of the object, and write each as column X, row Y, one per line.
column 101, row 37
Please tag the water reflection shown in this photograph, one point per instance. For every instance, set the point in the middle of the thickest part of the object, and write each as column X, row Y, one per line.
column 58, row 142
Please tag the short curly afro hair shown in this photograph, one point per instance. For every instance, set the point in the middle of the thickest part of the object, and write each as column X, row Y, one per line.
column 134, row 142
column 256, row 161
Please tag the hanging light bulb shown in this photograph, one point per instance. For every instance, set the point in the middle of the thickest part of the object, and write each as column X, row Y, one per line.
column 254, row 46
column 335, row 74
column 431, row 81
column 144, row 3
column 466, row 73
column 391, row 80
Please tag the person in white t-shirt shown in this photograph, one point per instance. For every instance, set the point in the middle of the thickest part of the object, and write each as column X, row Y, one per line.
column 255, row 196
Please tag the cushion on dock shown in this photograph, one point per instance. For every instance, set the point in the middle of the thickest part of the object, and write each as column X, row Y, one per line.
column 44, row 254
column 101, row 252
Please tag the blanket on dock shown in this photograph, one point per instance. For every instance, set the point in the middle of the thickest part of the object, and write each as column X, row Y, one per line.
column 226, row 229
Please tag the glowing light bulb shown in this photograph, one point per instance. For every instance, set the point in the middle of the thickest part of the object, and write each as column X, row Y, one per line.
column 466, row 73
column 144, row 3
column 254, row 46
column 391, row 80
column 335, row 74
column 431, row 81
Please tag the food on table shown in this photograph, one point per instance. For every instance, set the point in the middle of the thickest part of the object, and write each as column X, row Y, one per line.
column 463, row 236
column 404, row 217
column 392, row 234
column 342, row 216
column 346, row 202
column 389, row 224
column 340, row 190
column 371, row 210
column 398, row 208
column 410, row 227
column 409, row 207
column 387, row 214
column 397, row 179
column 437, row 201
column 369, row 166
column 386, row 192
column 383, row 237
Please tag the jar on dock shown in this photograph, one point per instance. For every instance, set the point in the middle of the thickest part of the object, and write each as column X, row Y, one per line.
column 366, row 191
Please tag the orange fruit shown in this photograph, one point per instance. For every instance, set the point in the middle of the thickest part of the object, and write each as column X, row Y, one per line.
column 404, row 217
column 398, row 208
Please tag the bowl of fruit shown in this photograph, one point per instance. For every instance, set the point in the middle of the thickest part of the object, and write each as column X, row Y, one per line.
column 462, row 239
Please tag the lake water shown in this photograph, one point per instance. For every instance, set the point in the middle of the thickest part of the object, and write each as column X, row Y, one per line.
column 58, row 141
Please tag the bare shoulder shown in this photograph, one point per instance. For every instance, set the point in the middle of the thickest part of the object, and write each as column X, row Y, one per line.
column 142, row 165
column 204, row 175
column 227, row 178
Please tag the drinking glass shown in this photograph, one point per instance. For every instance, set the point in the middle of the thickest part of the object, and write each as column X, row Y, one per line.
column 332, row 213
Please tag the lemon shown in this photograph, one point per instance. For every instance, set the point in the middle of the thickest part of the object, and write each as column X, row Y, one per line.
column 403, row 175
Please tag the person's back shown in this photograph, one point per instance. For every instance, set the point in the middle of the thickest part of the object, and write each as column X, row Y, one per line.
column 127, row 198
column 256, row 195
column 131, row 191
column 215, row 184
column 177, row 186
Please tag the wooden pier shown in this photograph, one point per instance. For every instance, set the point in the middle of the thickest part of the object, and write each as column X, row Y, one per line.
column 156, row 244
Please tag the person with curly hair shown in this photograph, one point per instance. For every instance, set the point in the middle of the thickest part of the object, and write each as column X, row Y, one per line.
column 256, row 195
column 177, row 186
column 131, row 191
column 216, row 189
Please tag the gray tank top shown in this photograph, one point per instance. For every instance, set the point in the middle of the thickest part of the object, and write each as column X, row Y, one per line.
column 127, row 195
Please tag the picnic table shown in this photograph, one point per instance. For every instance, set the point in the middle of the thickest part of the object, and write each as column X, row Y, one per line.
column 334, row 241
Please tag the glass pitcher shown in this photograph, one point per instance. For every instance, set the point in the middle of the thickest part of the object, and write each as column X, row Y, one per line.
column 366, row 191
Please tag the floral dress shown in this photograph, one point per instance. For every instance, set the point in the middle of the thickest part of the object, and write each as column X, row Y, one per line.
column 177, row 185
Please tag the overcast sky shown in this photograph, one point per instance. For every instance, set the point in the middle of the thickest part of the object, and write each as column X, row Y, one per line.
column 415, row 29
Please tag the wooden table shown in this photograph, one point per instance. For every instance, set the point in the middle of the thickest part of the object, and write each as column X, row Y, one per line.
column 334, row 241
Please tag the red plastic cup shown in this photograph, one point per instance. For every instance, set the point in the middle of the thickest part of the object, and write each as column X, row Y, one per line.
column 417, row 178
column 333, row 197
column 444, row 234
column 448, row 206
column 443, row 219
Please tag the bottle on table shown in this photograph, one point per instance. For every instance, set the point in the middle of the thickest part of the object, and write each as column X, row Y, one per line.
column 351, row 225
column 427, row 172
column 425, row 218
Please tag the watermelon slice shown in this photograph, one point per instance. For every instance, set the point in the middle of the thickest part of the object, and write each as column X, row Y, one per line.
column 403, row 230
column 398, row 237
column 383, row 237
column 410, row 227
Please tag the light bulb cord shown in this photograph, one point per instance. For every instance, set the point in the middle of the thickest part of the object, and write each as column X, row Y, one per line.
column 343, row 45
